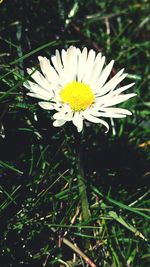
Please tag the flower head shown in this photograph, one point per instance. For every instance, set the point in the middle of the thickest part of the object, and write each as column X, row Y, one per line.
column 76, row 84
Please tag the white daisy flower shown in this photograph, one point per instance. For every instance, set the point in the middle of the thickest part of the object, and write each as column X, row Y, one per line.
column 76, row 84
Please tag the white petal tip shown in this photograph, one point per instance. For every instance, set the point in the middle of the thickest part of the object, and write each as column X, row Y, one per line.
column 31, row 94
column 29, row 70
column 40, row 58
column 134, row 94
column 25, row 84
column 45, row 105
column 58, row 123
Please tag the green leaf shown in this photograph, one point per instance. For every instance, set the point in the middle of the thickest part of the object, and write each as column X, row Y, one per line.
column 121, row 205
column 119, row 219
column 8, row 166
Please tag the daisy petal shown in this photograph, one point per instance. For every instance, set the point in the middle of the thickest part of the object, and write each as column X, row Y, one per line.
column 68, row 116
column 91, row 118
column 123, row 88
column 118, row 111
column 81, row 64
column 105, row 124
column 78, row 121
column 97, row 120
column 37, row 89
column 77, row 86
column 107, row 114
column 89, row 66
column 106, row 72
column 59, row 123
column 58, row 115
column 111, row 84
column 48, row 71
column 39, row 79
column 46, row 105
column 118, row 99
column 37, row 96
column 96, row 71
column 57, row 62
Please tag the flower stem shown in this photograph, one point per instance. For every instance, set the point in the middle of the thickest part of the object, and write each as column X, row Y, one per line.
column 82, row 192
column 86, row 215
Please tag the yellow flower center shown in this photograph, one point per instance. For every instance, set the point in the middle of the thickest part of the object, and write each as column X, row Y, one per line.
column 78, row 95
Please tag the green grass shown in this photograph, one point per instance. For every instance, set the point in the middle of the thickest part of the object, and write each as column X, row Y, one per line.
column 39, row 200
